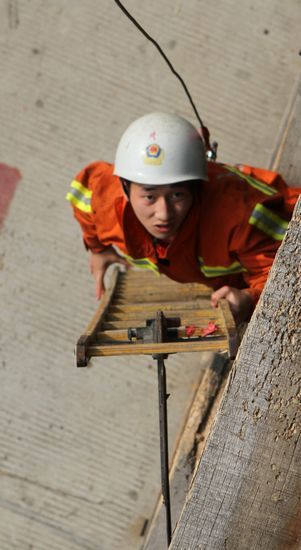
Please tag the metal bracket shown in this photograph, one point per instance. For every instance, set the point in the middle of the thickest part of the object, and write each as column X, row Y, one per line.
column 157, row 330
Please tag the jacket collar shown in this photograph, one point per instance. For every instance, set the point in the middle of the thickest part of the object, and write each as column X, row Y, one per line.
column 139, row 243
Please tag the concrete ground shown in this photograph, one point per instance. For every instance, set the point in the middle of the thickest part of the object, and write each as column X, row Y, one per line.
column 79, row 458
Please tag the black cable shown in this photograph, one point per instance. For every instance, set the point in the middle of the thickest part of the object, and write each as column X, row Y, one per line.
column 141, row 29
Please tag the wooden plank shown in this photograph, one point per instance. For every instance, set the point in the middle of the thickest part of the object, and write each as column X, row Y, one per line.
column 192, row 305
column 130, row 283
column 168, row 307
column 195, row 319
column 122, row 334
column 177, row 292
column 216, row 344
column 142, row 314
column 155, row 295
column 247, row 490
column 144, row 277
column 229, row 327
column 86, row 338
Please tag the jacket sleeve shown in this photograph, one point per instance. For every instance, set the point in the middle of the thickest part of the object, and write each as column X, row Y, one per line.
column 265, row 223
column 290, row 194
column 257, row 241
column 80, row 197
column 257, row 259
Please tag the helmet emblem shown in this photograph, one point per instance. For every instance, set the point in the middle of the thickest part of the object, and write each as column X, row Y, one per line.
column 153, row 154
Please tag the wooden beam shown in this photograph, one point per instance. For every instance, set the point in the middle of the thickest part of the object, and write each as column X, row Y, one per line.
column 217, row 344
column 247, row 490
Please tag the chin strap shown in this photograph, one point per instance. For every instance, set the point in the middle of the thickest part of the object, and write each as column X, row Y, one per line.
column 125, row 187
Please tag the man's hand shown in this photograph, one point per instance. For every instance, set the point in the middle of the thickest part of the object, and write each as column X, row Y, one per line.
column 240, row 302
column 99, row 264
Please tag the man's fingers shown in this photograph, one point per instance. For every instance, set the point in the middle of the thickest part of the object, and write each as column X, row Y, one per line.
column 99, row 285
column 219, row 294
column 124, row 262
column 239, row 301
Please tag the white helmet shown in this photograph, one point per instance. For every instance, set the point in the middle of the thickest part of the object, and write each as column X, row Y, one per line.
column 160, row 149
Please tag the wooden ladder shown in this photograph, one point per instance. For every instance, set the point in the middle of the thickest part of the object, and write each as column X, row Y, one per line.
column 133, row 297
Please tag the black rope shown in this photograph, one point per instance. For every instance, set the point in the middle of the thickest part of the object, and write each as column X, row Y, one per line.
column 141, row 29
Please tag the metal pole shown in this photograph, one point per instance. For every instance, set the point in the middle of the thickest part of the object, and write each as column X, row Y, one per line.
column 164, row 443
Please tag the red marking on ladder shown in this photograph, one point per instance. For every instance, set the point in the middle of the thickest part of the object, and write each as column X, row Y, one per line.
column 190, row 330
column 9, row 179
column 210, row 329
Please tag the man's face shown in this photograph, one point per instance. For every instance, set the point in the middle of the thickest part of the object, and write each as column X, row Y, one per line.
column 161, row 208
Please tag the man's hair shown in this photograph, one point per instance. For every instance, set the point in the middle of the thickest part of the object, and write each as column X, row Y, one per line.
column 192, row 185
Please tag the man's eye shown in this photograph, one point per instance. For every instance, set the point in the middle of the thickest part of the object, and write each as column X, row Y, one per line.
column 149, row 198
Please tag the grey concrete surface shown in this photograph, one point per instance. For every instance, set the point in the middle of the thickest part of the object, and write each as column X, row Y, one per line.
column 77, row 457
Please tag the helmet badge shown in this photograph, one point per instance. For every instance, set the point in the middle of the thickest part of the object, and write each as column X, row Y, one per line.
column 153, row 154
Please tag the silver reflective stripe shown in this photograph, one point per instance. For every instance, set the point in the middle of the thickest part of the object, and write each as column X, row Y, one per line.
column 78, row 195
column 143, row 263
column 253, row 182
column 268, row 222
column 220, row 271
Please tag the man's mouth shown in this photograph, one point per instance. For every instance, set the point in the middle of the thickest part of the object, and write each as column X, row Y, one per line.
column 164, row 228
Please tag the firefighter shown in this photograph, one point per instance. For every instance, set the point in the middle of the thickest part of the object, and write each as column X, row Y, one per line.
column 163, row 207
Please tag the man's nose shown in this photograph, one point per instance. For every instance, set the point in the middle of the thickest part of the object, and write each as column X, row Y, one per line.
column 163, row 209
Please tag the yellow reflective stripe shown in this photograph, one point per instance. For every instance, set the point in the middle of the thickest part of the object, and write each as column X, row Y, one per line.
column 144, row 263
column 218, row 270
column 80, row 196
column 268, row 222
column 259, row 185
column 80, row 187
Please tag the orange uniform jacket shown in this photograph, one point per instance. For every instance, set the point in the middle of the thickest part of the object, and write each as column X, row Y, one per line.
column 230, row 235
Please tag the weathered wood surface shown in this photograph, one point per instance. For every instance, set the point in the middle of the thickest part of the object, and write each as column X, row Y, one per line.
column 247, row 491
